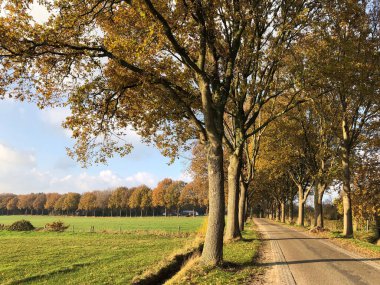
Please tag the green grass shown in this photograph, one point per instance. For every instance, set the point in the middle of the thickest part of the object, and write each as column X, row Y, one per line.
column 80, row 258
column 347, row 242
column 238, row 267
column 83, row 224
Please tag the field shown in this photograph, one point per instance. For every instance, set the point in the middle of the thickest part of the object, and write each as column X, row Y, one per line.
column 89, row 258
column 83, row 224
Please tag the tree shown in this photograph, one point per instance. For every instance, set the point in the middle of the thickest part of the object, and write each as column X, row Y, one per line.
column 348, row 73
column 39, row 202
column 87, row 202
column 146, row 197
column 12, row 204
column 117, row 199
column 175, row 61
column 158, row 194
column 71, row 202
column 189, row 197
column 135, row 199
column 25, row 202
column 4, row 199
column 59, row 204
column 172, row 195
column 102, row 199
column 51, row 200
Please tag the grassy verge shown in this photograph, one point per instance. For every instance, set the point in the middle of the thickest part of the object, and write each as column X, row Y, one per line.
column 239, row 264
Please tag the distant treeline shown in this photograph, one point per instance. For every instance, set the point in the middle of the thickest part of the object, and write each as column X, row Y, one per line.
column 169, row 198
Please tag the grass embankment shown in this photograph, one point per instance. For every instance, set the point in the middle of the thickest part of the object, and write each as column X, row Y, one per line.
column 238, row 268
column 83, row 224
column 353, row 244
column 89, row 258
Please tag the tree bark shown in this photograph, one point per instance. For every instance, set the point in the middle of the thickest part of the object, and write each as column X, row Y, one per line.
column 234, row 170
column 242, row 205
column 301, row 206
column 347, row 208
column 283, row 211
column 213, row 247
column 291, row 216
column 377, row 226
column 318, row 205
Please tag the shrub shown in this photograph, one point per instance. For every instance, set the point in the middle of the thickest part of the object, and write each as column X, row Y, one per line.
column 57, row 226
column 22, row 225
column 366, row 236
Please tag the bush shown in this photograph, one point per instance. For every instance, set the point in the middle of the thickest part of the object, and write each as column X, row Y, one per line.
column 22, row 225
column 366, row 236
column 2, row 227
column 57, row 226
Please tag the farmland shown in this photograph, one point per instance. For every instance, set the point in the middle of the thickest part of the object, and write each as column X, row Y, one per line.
column 83, row 224
column 89, row 258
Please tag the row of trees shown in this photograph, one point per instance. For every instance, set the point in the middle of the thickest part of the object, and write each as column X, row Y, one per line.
column 167, row 197
column 216, row 71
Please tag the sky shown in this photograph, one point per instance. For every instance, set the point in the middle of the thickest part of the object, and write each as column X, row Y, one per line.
column 33, row 156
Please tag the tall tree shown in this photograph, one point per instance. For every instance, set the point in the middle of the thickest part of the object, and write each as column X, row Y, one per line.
column 173, row 192
column 109, row 60
column 87, row 202
column 12, row 204
column 348, row 37
column 158, row 194
column 51, row 199
column 39, row 202
column 71, row 202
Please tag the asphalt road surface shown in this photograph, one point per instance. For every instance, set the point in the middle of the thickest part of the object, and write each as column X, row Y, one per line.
column 298, row 258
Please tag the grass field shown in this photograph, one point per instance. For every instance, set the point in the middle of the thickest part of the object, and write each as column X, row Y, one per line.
column 83, row 224
column 89, row 258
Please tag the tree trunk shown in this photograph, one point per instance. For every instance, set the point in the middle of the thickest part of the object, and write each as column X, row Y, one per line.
column 213, row 247
column 377, row 226
column 318, row 206
column 291, row 216
column 234, row 169
column 347, row 208
column 283, row 211
column 141, row 212
column 301, row 210
column 242, row 205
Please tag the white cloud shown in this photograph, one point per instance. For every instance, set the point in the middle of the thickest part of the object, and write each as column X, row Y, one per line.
column 185, row 176
column 19, row 173
column 11, row 159
column 55, row 117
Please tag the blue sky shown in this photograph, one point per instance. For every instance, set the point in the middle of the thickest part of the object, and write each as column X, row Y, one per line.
column 33, row 156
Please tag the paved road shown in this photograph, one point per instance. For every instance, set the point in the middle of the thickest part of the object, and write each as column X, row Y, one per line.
column 302, row 259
